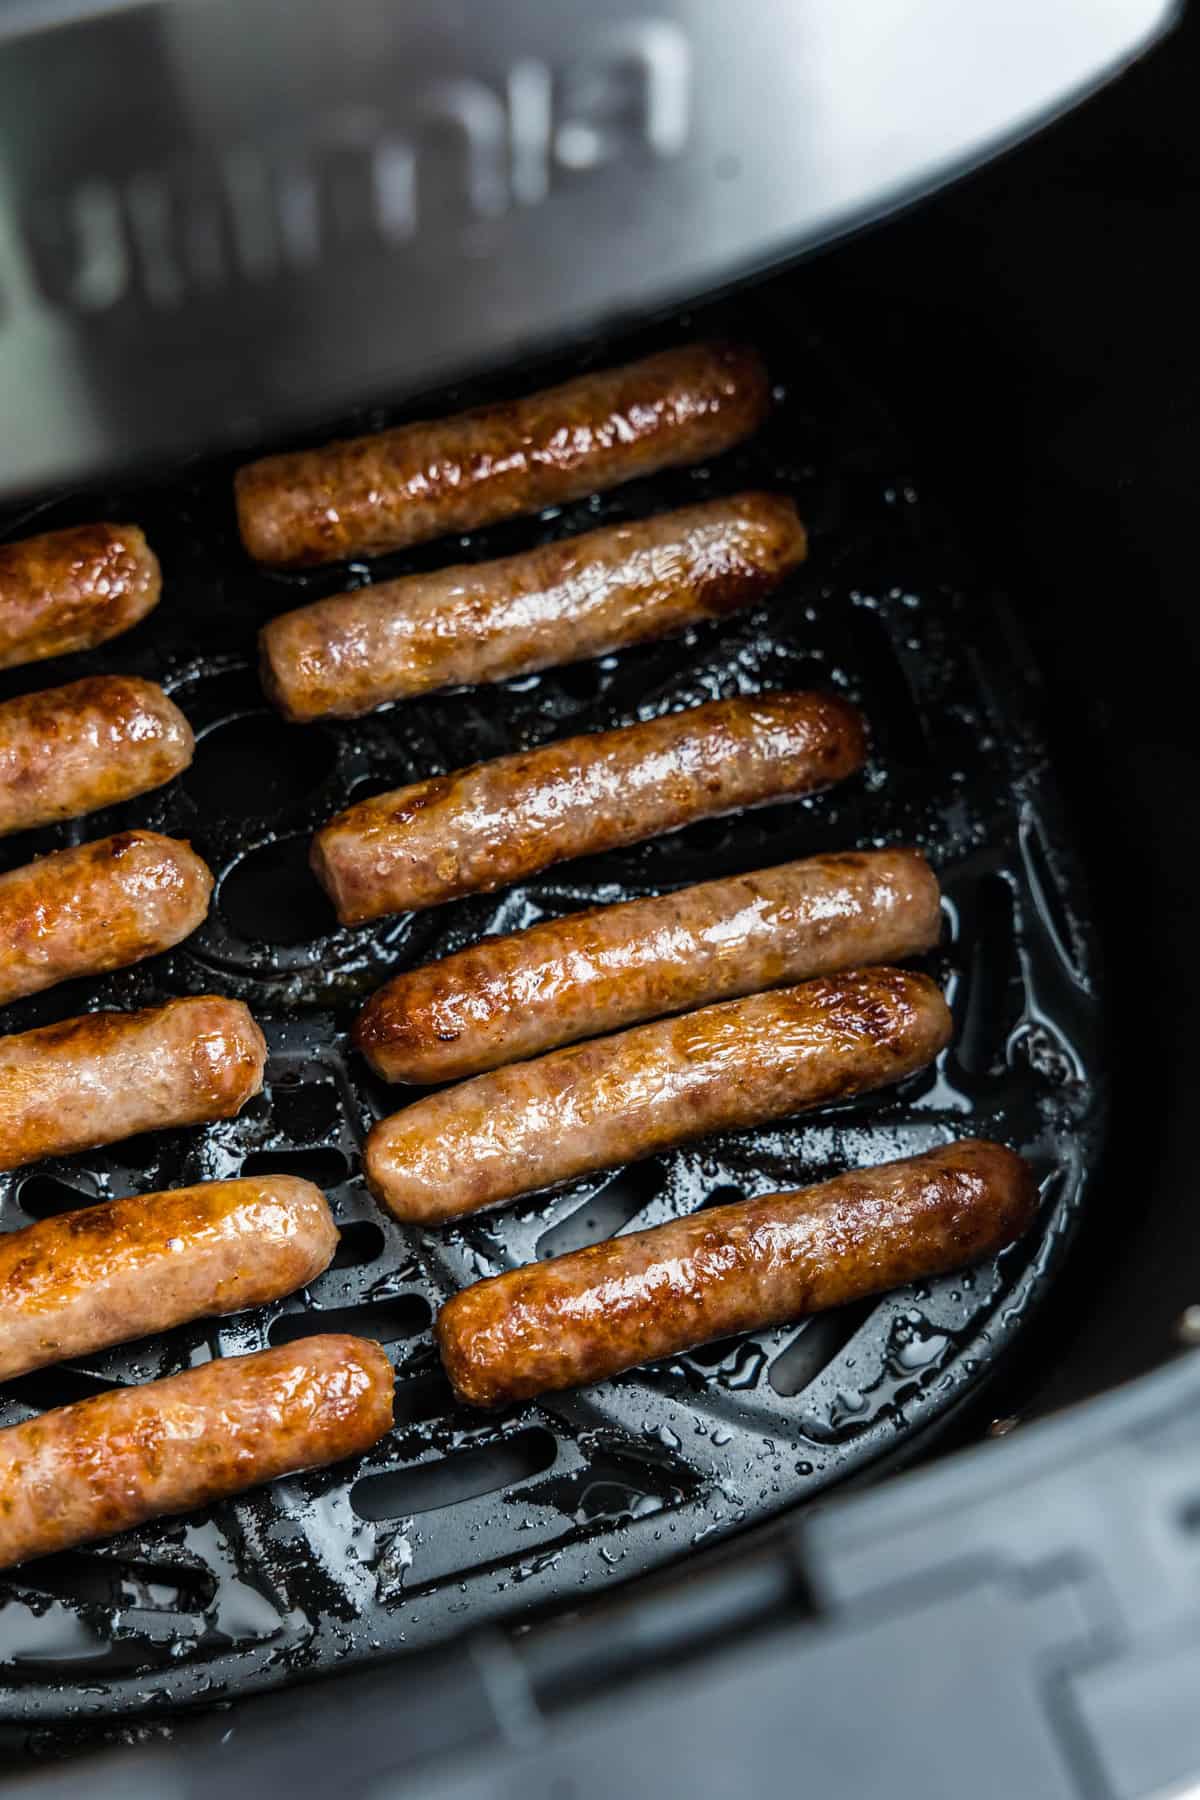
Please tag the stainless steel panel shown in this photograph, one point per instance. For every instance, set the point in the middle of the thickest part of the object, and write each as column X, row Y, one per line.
column 221, row 216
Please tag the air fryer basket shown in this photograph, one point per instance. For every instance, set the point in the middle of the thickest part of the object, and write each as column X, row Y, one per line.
column 458, row 1518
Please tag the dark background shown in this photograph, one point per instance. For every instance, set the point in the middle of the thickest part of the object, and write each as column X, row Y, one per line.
column 1034, row 331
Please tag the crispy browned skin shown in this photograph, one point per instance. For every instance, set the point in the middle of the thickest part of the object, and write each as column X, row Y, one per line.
column 105, row 1465
column 501, row 821
column 107, row 1075
column 70, row 750
column 596, row 971
column 616, row 1099
column 101, row 906
column 580, row 597
column 125, row 1268
column 361, row 496
column 69, row 590
column 657, row 1293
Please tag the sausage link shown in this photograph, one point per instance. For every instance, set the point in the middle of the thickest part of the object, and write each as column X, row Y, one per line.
column 566, row 601
column 70, row 750
column 70, row 590
column 124, row 1268
column 361, row 496
column 108, row 1075
column 728, row 1269
column 102, row 906
column 107, row 1464
column 617, row 1099
column 593, row 972
column 500, row 821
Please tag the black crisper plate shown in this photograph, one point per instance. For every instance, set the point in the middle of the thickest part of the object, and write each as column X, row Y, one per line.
column 459, row 1517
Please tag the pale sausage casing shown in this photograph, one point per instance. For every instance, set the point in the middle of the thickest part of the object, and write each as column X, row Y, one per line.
column 592, row 972
column 124, row 1268
column 70, row 590
column 498, row 822
column 729, row 1269
column 108, row 1075
column 137, row 1453
column 102, row 906
column 616, row 1099
column 365, row 495
column 575, row 598
column 70, row 750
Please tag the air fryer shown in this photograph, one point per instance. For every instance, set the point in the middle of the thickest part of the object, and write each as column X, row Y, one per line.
column 233, row 232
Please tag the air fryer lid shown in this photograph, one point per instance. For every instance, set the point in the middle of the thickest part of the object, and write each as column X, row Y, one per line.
column 220, row 215
column 458, row 1517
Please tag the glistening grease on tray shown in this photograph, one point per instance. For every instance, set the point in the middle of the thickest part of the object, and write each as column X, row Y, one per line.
column 640, row 913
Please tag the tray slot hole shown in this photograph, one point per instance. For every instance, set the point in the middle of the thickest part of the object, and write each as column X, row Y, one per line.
column 491, row 1469
column 387, row 1321
column 45, row 1197
column 583, row 681
column 325, row 1168
column 304, row 1110
column 993, row 1001
column 710, row 1356
column 359, row 1243
column 270, row 895
column 117, row 1583
column 705, row 838
column 256, row 767
column 424, row 1397
column 725, row 1195
column 897, row 729
column 819, row 1341
column 606, row 1212
column 614, row 1486
column 46, row 1388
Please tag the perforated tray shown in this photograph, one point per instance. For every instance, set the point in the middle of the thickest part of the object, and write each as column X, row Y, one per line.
column 457, row 1517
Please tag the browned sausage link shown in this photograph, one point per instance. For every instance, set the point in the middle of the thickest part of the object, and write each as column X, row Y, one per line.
column 107, row 1464
column 593, row 972
column 70, row 750
column 501, row 821
column 620, row 1098
column 125, row 1268
column 108, row 1075
column 566, row 601
column 362, row 496
column 101, row 906
column 70, row 590
column 657, row 1293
